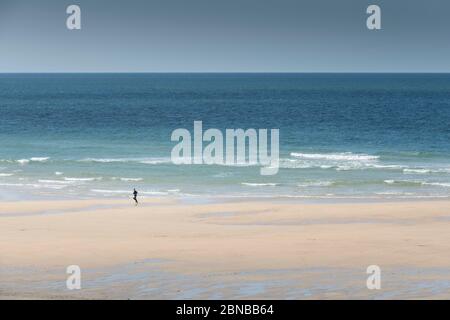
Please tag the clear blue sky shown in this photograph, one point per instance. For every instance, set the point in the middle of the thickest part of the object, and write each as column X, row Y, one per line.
column 225, row 36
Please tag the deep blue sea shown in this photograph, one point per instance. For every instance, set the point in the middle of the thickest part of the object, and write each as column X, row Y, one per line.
column 341, row 135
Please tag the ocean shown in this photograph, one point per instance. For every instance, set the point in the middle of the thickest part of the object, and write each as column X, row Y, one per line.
column 342, row 136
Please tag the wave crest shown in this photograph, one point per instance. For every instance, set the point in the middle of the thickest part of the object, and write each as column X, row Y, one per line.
column 249, row 184
column 344, row 156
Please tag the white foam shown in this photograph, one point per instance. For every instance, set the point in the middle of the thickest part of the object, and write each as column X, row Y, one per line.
column 32, row 159
column 259, row 184
column 131, row 179
column 154, row 193
column 156, row 161
column 296, row 164
column 105, row 191
column 151, row 161
column 11, row 184
column 346, row 168
column 300, row 163
column 102, row 160
column 6, row 174
column 416, row 171
column 316, row 184
column 425, row 171
column 34, row 185
column 39, row 159
column 354, row 165
column 339, row 161
column 408, row 182
column 345, row 156
column 395, row 193
column 81, row 179
column 23, row 161
column 59, row 173
column 437, row 184
column 385, row 166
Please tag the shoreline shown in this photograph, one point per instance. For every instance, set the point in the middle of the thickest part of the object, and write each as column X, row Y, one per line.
column 214, row 198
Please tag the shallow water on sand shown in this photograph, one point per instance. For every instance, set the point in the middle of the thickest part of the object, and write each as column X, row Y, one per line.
column 149, row 280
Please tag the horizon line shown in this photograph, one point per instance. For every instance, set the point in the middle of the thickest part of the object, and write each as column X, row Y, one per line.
column 227, row 72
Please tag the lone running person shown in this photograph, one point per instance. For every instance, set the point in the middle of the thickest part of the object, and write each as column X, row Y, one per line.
column 135, row 193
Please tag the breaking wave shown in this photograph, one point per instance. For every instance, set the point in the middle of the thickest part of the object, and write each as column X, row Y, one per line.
column 82, row 179
column 151, row 161
column 249, row 184
column 345, row 156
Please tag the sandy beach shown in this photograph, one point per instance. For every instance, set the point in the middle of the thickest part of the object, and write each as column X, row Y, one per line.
column 169, row 249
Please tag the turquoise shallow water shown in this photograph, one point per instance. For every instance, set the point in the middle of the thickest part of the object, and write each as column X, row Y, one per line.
column 341, row 135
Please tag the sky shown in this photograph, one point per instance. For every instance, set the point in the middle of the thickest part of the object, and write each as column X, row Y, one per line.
column 225, row 36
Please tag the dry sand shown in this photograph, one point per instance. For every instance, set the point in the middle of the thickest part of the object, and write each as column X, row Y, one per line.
column 165, row 248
